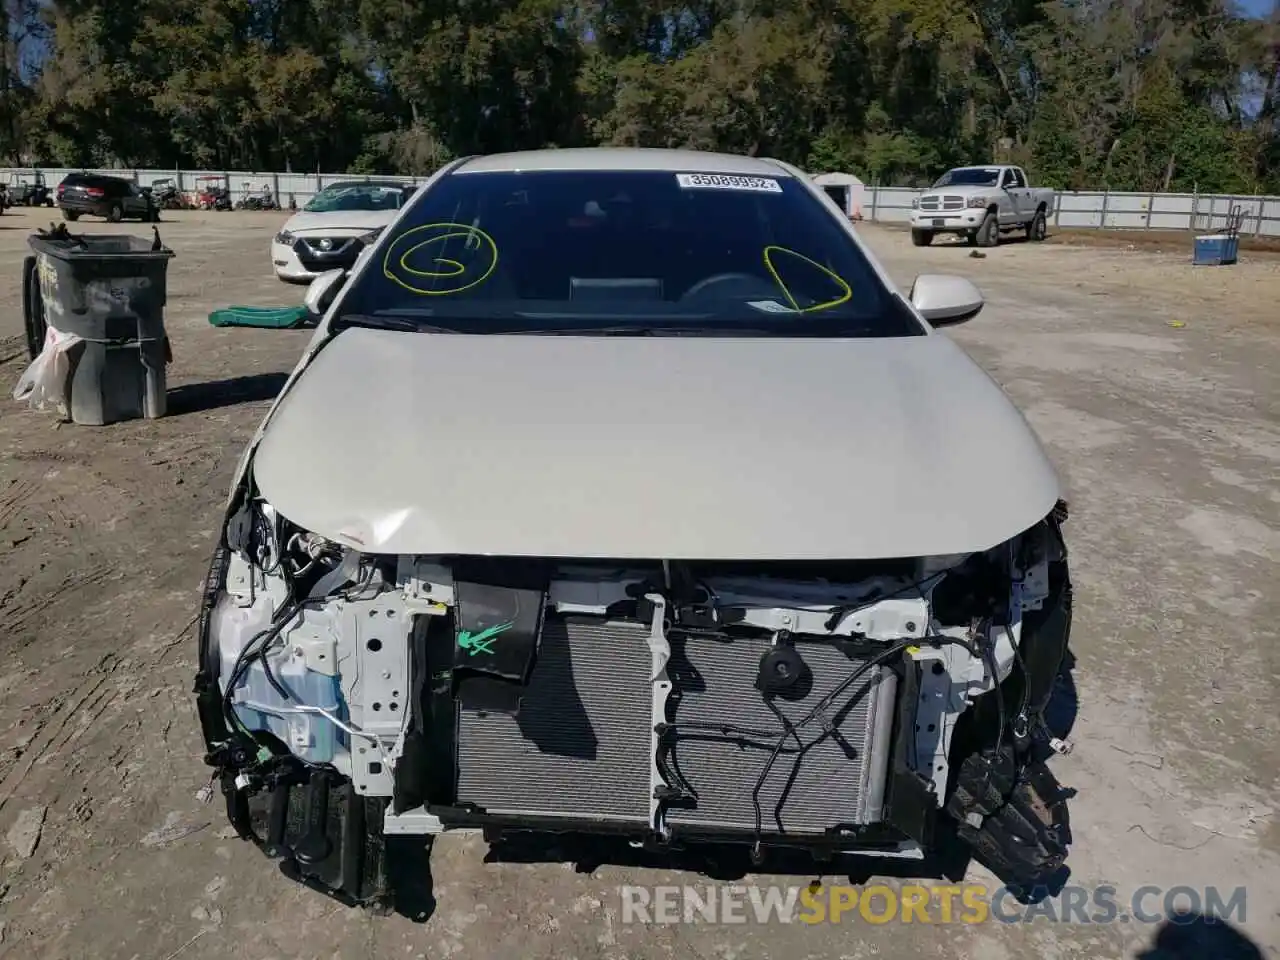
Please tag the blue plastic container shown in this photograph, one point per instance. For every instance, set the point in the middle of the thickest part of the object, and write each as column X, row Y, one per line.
column 309, row 735
column 1216, row 250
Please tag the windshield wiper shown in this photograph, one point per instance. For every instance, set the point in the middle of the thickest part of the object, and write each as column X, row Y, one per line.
column 374, row 322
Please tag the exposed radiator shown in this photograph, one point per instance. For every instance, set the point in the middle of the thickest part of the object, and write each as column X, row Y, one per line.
column 580, row 746
column 838, row 780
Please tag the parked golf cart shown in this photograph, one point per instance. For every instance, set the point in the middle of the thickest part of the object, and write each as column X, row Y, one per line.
column 26, row 191
column 257, row 200
column 166, row 195
column 213, row 193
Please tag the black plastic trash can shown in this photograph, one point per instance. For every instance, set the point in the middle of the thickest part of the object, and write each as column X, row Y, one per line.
column 109, row 290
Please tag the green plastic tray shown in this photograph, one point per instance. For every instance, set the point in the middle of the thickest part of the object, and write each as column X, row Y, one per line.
column 276, row 318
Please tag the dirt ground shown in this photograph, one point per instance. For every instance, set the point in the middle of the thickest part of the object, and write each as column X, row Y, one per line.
column 1155, row 386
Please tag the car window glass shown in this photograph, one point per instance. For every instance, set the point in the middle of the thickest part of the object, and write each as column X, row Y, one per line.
column 356, row 196
column 969, row 176
column 629, row 246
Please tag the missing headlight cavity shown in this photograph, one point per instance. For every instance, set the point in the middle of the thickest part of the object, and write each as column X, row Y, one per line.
column 842, row 707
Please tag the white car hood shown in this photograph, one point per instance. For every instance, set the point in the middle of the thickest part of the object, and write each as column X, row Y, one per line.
column 363, row 220
column 652, row 447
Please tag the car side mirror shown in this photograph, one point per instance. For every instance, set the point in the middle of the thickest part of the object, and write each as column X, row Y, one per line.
column 322, row 290
column 943, row 299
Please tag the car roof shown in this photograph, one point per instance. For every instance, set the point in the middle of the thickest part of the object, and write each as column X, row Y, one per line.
column 623, row 158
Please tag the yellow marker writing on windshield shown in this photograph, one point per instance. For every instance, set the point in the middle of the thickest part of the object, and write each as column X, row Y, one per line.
column 445, row 275
column 771, row 251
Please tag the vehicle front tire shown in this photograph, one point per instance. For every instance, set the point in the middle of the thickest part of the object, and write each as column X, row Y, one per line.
column 921, row 238
column 1038, row 228
column 71, row 215
column 49, row 203
column 989, row 232
column 116, row 213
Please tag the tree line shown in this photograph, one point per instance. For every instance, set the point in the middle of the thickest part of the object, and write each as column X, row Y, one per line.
column 1125, row 94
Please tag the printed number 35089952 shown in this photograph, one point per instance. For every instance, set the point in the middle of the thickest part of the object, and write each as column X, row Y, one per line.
column 720, row 181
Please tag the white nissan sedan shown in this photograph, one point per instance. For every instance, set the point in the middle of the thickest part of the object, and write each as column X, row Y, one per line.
column 622, row 492
column 335, row 225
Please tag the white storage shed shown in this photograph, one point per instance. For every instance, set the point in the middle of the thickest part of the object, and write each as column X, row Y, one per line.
column 846, row 190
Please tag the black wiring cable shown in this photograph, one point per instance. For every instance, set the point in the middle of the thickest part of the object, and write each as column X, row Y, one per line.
column 263, row 525
column 833, row 620
column 936, row 640
column 245, row 660
column 264, row 639
column 1026, row 691
column 984, row 652
column 1022, row 668
column 813, row 714
column 671, row 774
column 252, row 650
column 839, row 613
column 791, row 730
column 249, row 653
column 989, row 658
column 826, row 701
column 271, row 676
column 724, row 729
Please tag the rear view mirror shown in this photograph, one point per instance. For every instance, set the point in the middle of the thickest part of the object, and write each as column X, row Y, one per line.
column 322, row 290
column 943, row 299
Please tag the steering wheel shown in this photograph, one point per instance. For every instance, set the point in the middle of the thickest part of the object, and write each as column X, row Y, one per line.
column 715, row 278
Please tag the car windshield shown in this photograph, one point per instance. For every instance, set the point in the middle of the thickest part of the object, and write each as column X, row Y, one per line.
column 969, row 176
column 627, row 252
column 357, row 196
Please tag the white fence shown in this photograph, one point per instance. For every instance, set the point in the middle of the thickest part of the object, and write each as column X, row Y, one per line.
column 1203, row 212
column 1079, row 210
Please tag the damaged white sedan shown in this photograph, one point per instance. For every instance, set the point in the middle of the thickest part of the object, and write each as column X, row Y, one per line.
column 620, row 491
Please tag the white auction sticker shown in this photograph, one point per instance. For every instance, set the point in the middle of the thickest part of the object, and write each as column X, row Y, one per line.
column 721, row 181
column 769, row 306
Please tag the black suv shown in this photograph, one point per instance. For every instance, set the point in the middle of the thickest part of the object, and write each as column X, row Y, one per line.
column 102, row 196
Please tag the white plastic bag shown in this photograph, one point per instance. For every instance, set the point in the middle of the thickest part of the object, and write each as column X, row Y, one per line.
column 43, row 383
